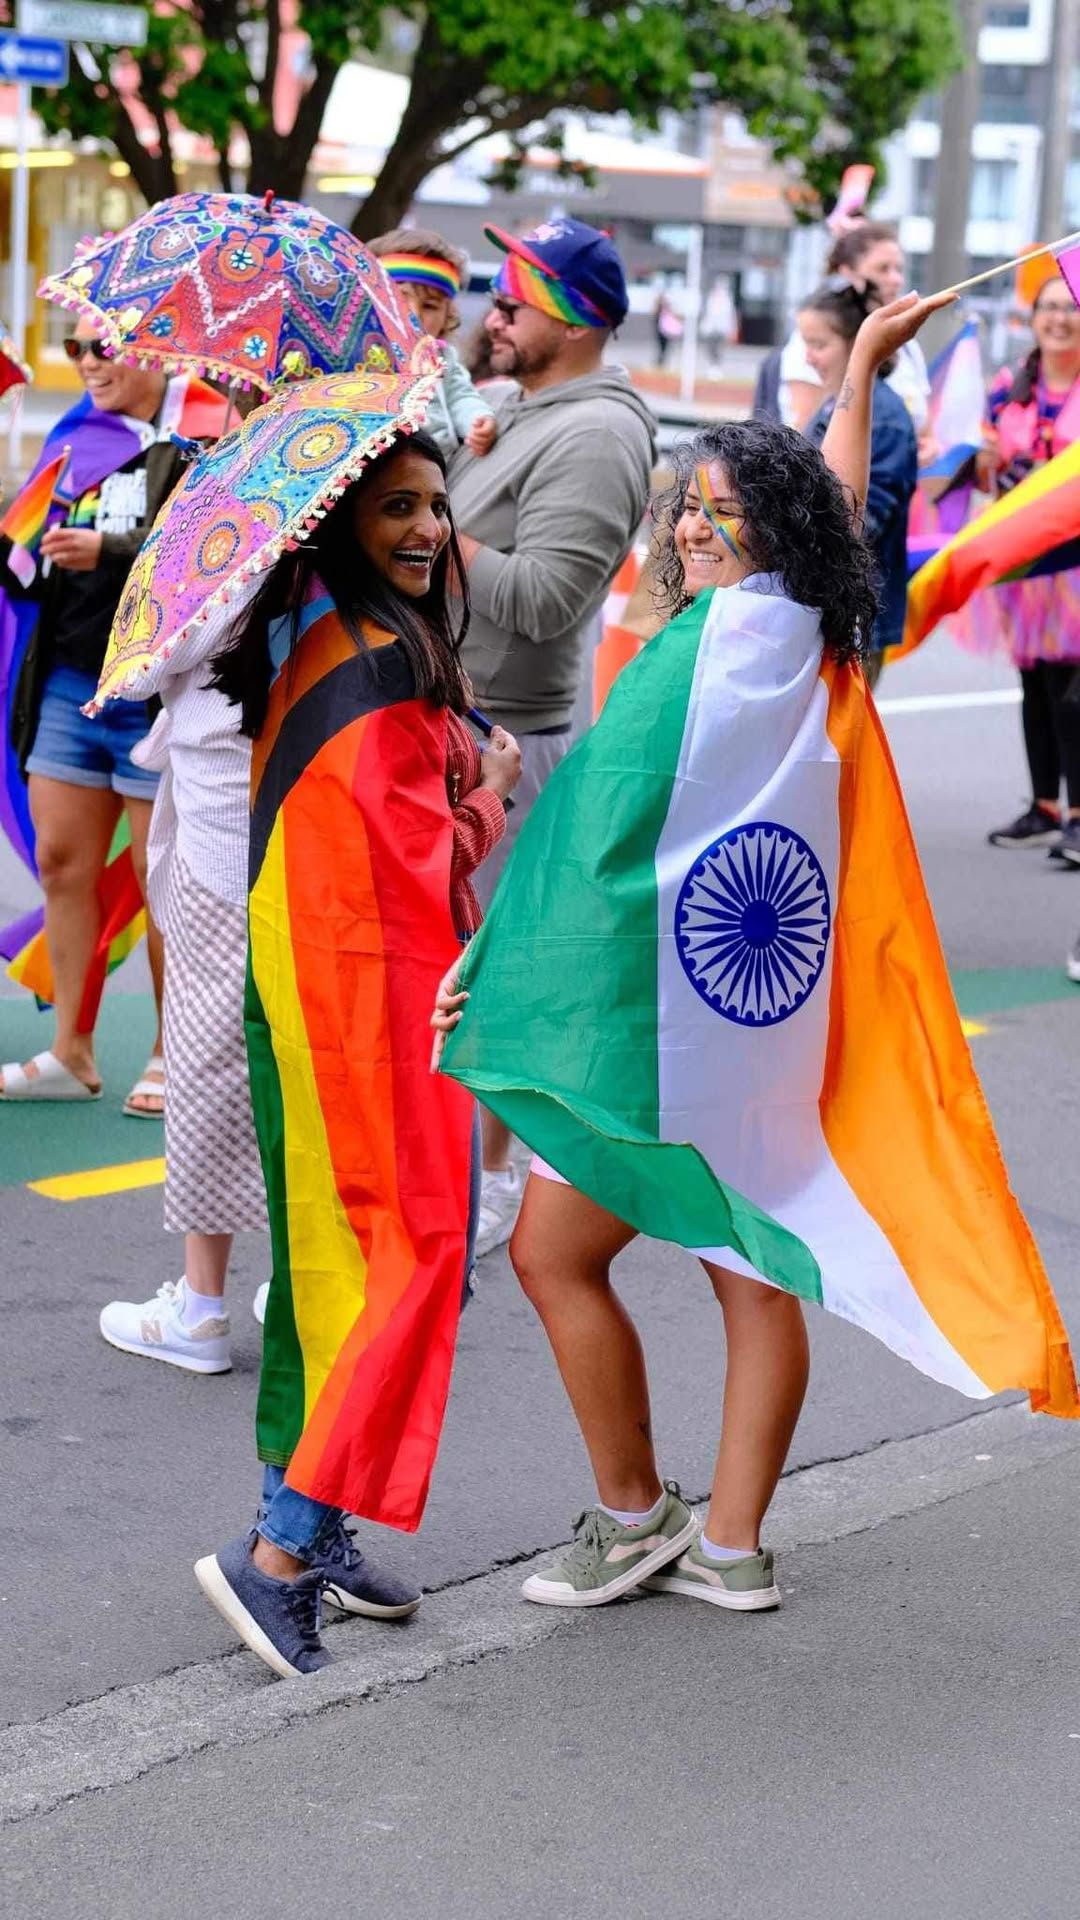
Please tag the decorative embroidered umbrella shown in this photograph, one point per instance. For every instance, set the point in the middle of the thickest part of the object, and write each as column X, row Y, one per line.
column 261, row 490
column 250, row 290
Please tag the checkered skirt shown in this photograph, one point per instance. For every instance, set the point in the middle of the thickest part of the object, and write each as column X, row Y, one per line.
column 213, row 1175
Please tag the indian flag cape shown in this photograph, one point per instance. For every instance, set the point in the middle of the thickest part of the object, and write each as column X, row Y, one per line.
column 364, row 1150
column 710, row 993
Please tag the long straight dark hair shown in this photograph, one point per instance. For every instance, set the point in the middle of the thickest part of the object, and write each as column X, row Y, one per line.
column 429, row 632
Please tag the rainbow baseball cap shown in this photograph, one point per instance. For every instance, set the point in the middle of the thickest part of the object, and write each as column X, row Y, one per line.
column 568, row 270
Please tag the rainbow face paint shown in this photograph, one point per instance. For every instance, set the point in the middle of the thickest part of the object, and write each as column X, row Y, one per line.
column 726, row 528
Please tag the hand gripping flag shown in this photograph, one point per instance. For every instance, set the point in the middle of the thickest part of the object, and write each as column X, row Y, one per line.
column 710, row 993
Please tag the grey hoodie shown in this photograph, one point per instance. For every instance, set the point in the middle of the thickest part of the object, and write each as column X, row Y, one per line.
column 555, row 506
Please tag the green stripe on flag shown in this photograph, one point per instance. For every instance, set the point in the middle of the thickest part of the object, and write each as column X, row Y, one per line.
column 560, row 1036
column 280, row 1416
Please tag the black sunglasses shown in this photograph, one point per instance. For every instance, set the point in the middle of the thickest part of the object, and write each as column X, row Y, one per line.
column 508, row 308
column 76, row 348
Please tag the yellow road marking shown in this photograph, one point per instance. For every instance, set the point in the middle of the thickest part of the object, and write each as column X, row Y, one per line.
column 99, row 1180
column 972, row 1029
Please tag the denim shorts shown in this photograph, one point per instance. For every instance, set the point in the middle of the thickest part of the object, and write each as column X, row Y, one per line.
column 89, row 753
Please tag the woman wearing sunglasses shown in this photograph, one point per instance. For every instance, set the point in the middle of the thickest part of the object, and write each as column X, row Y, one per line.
column 80, row 772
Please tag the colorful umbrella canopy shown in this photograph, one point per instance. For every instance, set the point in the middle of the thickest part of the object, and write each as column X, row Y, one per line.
column 262, row 489
column 256, row 291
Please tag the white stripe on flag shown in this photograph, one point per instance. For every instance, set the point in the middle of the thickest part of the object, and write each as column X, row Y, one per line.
column 744, row 1090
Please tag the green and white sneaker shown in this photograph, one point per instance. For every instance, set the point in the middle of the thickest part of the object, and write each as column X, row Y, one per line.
column 607, row 1559
column 746, row 1586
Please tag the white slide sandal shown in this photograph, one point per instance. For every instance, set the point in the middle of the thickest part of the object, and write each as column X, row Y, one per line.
column 52, row 1081
column 147, row 1089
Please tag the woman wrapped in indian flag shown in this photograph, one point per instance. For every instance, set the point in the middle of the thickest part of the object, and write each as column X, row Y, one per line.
column 711, row 998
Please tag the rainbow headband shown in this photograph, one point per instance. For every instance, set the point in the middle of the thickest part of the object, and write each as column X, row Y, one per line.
column 551, row 296
column 725, row 528
column 422, row 269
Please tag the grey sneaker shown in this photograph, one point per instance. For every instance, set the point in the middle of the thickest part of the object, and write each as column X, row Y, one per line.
column 607, row 1559
column 355, row 1585
column 745, row 1586
column 277, row 1619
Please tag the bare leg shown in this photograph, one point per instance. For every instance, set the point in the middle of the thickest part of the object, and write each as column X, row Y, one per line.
column 276, row 1562
column 206, row 1262
column 562, row 1251
column 768, row 1364
column 138, row 813
column 74, row 826
column 496, row 1139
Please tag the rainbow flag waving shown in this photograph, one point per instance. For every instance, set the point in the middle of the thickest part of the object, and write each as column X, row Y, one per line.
column 365, row 1152
column 26, row 519
column 710, row 993
column 1034, row 529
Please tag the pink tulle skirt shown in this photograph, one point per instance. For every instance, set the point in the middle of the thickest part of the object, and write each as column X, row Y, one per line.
column 1028, row 619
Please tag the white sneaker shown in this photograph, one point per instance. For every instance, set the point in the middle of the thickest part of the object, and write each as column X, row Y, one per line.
column 500, row 1203
column 1072, row 963
column 157, row 1329
column 258, row 1305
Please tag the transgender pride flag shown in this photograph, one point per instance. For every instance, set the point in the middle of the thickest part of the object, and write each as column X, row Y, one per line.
column 710, row 993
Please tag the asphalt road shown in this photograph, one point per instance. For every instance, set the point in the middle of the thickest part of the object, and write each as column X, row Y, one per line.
column 886, row 1736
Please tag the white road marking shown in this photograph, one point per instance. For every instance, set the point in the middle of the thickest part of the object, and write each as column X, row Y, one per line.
column 948, row 702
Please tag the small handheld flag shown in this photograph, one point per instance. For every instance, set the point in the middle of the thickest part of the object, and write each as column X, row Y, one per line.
column 855, row 185
column 27, row 518
column 1066, row 251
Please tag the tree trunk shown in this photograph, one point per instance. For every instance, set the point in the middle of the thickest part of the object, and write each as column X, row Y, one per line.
column 407, row 165
column 153, row 173
column 1057, row 139
column 280, row 161
column 952, row 198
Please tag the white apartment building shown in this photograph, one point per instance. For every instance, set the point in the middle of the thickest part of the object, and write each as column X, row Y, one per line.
column 1007, row 147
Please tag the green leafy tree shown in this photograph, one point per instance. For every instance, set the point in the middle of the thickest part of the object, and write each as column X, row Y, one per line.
column 823, row 81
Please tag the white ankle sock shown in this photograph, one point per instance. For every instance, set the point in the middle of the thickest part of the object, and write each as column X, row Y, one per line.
column 627, row 1518
column 200, row 1306
column 712, row 1552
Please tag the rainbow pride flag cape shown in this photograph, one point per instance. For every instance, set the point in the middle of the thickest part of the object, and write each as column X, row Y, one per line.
column 28, row 515
column 365, row 1151
column 1035, row 529
column 123, row 923
column 95, row 444
column 710, row 993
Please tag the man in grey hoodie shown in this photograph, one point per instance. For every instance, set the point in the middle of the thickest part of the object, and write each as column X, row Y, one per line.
column 546, row 519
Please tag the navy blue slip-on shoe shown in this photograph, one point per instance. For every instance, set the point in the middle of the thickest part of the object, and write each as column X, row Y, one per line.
column 277, row 1619
column 352, row 1583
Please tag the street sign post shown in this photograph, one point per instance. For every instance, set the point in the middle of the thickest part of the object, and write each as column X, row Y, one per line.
column 28, row 61
column 104, row 26
column 37, row 56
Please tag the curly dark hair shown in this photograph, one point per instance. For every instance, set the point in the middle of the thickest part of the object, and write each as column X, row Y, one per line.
column 798, row 525
column 430, row 629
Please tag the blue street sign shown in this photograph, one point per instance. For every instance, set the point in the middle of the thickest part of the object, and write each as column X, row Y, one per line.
column 35, row 63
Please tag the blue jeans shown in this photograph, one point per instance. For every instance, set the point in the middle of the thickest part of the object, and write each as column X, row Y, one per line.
column 89, row 753
column 292, row 1521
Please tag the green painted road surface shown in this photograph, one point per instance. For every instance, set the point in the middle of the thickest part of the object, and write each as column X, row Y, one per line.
column 39, row 1142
